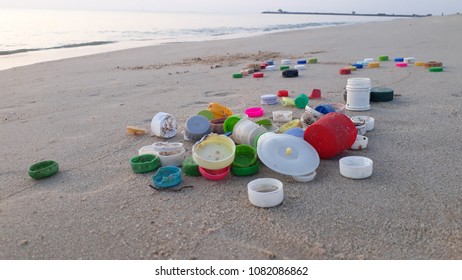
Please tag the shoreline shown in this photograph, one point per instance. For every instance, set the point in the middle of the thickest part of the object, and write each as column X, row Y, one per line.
column 75, row 111
column 59, row 53
column 344, row 14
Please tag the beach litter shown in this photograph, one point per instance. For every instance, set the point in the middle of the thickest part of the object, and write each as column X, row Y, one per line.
column 43, row 169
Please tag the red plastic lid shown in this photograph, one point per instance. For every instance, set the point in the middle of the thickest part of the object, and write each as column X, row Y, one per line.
column 401, row 64
column 214, row 175
column 316, row 93
column 254, row 112
column 345, row 71
column 258, row 75
column 283, row 93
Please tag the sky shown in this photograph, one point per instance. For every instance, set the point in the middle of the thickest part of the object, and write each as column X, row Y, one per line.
column 435, row 7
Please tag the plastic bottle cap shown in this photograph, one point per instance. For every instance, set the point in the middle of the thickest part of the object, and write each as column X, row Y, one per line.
column 345, row 71
column 301, row 101
column 207, row 114
column 324, row 109
column 213, row 175
column 285, row 61
column 283, row 93
column 301, row 61
column 374, row 65
column 246, row 155
column 258, row 75
column 284, row 67
column 356, row 167
column 358, row 65
column 316, row 93
column 190, row 167
column 167, row 176
column 254, row 112
column 399, row 59
column 381, row 94
column 290, row 73
column 237, row 75
column 312, row 60
column 270, row 68
column 300, row 66
column 383, row 58
column 230, row 122
column 144, row 163
column 435, row 69
column 43, row 169
column 265, row 192
column 401, row 64
column 245, row 171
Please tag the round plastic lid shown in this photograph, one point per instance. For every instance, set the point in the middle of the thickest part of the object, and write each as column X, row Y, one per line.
column 198, row 125
column 254, row 112
column 287, row 154
column 207, row 114
column 230, row 122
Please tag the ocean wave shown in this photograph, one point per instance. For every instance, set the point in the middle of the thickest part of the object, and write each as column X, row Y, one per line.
column 67, row 46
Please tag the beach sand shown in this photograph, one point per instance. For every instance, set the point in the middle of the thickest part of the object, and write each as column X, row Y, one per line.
column 75, row 111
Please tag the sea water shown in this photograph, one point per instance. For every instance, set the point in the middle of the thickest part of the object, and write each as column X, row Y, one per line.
column 29, row 36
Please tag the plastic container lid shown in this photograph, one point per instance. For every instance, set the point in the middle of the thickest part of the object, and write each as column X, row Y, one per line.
column 356, row 167
column 254, row 112
column 246, row 156
column 265, row 192
column 190, row 167
column 214, row 151
column 167, row 177
column 381, row 94
column 269, row 99
column 144, row 163
column 287, row 154
column 43, row 169
column 214, row 176
column 246, row 171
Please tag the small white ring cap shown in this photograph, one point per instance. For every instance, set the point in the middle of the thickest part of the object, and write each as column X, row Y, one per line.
column 265, row 192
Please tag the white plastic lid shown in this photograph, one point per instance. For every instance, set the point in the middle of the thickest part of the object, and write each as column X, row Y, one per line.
column 287, row 154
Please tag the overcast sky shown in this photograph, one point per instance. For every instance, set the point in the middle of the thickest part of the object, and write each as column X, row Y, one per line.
column 435, row 7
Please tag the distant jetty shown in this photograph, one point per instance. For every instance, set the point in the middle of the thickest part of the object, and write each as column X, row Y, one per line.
column 343, row 14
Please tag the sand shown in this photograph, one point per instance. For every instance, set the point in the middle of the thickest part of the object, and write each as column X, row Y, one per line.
column 75, row 111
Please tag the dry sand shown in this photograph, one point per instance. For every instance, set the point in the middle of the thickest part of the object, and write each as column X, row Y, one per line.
column 75, row 111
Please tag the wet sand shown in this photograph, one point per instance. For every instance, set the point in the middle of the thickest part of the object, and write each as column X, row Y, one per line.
column 75, row 111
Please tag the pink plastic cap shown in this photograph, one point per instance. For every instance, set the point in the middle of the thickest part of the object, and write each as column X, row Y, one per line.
column 254, row 112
